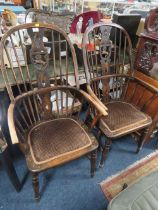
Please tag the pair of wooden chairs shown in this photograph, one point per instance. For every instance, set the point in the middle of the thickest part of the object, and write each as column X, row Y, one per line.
column 44, row 116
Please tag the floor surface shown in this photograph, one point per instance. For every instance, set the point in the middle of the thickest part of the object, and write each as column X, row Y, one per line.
column 69, row 187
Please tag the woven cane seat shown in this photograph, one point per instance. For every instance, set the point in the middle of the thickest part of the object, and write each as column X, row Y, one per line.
column 123, row 118
column 55, row 138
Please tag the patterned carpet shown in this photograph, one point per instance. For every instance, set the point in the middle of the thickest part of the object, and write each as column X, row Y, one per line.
column 114, row 184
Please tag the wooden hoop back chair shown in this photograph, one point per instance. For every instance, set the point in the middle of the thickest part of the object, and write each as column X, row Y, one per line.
column 44, row 114
column 108, row 68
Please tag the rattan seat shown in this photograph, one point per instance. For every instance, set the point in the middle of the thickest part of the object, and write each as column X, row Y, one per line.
column 123, row 118
column 48, row 141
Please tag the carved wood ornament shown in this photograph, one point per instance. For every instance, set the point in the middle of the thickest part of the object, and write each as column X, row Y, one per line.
column 40, row 60
column 151, row 22
column 105, row 59
column 147, row 51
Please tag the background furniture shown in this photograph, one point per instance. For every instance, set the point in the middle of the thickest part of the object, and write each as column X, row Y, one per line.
column 96, row 15
column 146, row 56
column 140, row 195
column 146, row 59
column 7, row 152
column 141, row 12
column 7, row 163
column 130, row 23
column 151, row 24
column 63, row 20
column 44, row 118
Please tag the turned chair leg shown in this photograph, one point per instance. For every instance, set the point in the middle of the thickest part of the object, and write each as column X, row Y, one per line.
column 99, row 140
column 105, row 152
column 35, row 183
column 143, row 138
column 93, row 162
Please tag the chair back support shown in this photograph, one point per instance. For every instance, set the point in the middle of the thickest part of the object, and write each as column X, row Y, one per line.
column 107, row 50
column 36, row 55
column 130, row 22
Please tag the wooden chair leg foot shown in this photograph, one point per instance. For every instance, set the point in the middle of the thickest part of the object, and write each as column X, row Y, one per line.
column 145, row 136
column 35, row 183
column 140, row 145
column 37, row 199
column 138, row 149
column 101, row 165
column 93, row 162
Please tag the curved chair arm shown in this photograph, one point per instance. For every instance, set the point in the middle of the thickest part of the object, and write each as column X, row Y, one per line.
column 14, row 137
column 92, row 94
column 11, row 124
column 147, row 84
column 97, row 104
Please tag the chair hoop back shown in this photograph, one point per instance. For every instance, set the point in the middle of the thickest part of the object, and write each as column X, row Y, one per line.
column 107, row 49
column 36, row 55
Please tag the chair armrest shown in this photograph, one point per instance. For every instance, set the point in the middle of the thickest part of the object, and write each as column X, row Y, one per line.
column 92, row 94
column 95, row 103
column 148, row 82
column 11, row 125
column 43, row 91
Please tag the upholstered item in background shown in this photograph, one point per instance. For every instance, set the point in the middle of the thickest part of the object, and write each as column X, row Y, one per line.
column 143, row 195
column 96, row 15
